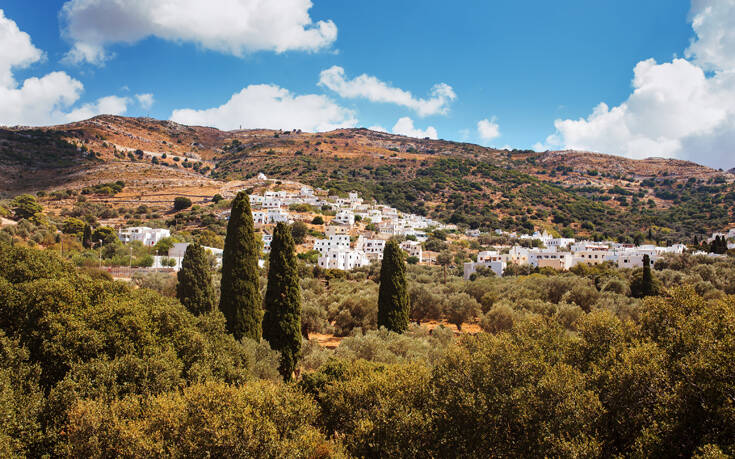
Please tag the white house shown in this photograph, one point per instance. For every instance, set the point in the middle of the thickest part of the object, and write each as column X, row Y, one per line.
column 593, row 257
column 148, row 236
column 488, row 255
column 345, row 217
column 260, row 217
column 334, row 230
column 413, row 249
column 277, row 216
column 334, row 242
column 558, row 242
column 632, row 260
column 267, row 239
column 373, row 248
column 551, row 259
column 265, row 217
column 344, row 259
column 177, row 252
column 498, row 267
column 271, row 202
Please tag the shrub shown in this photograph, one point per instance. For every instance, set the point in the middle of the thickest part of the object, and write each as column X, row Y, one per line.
column 181, row 203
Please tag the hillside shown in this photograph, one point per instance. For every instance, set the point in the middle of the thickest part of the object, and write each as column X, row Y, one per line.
column 461, row 183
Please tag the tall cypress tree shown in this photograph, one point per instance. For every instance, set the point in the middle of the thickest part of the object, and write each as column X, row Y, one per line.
column 393, row 308
column 87, row 237
column 647, row 276
column 194, row 289
column 282, row 319
column 240, row 299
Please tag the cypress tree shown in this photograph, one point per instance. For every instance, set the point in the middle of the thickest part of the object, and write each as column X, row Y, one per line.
column 240, row 295
column 282, row 319
column 393, row 308
column 647, row 276
column 87, row 237
column 194, row 289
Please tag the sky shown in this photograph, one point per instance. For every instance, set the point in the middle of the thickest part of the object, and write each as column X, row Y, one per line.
column 629, row 77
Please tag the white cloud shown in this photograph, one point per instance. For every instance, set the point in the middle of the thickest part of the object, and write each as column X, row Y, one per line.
column 110, row 105
column 269, row 106
column 229, row 26
column 712, row 21
column 676, row 109
column 16, row 50
column 371, row 88
column 40, row 100
column 404, row 126
column 145, row 100
column 378, row 128
column 488, row 129
column 540, row 147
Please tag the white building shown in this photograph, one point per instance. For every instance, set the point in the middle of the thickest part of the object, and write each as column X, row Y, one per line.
column 334, row 242
column 270, row 216
column 148, row 236
column 345, row 217
column 558, row 242
column 267, row 239
column 497, row 266
column 413, row 249
column 334, row 230
column 177, row 252
column 344, row 259
column 561, row 261
column 632, row 260
column 373, row 248
column 488, row 255
column 593, row 257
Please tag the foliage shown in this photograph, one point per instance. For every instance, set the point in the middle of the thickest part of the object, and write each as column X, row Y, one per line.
column 240, row 295
column 194, row 288
column 282, row 318
column 260, row 419
column 181, row 203
column 393, row 306
column 26, row 207
column 299, row 231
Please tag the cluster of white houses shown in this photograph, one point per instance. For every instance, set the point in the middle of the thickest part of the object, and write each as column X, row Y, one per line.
column 342, row 248
column 338, row 250
column 563, row 254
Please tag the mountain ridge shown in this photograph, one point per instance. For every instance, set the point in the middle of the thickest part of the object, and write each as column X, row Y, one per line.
column 458, row 182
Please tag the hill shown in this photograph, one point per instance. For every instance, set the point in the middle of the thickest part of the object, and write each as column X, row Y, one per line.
column 570, row 191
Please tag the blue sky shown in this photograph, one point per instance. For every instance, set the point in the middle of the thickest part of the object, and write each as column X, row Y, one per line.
column 536, row 71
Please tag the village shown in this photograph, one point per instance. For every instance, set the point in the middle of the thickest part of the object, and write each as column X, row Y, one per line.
column 354, row 232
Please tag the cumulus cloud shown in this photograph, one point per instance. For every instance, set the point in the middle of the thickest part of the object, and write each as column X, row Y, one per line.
column 378, row 128
column 16, row 50
column 145, row 100
column 682, row 109
column 269, row 106
column 40, row 100
column 110, row 105
column 229, row 26
column 488, row 129
column 404, row 126
column 370, row 88
column 714, row 48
